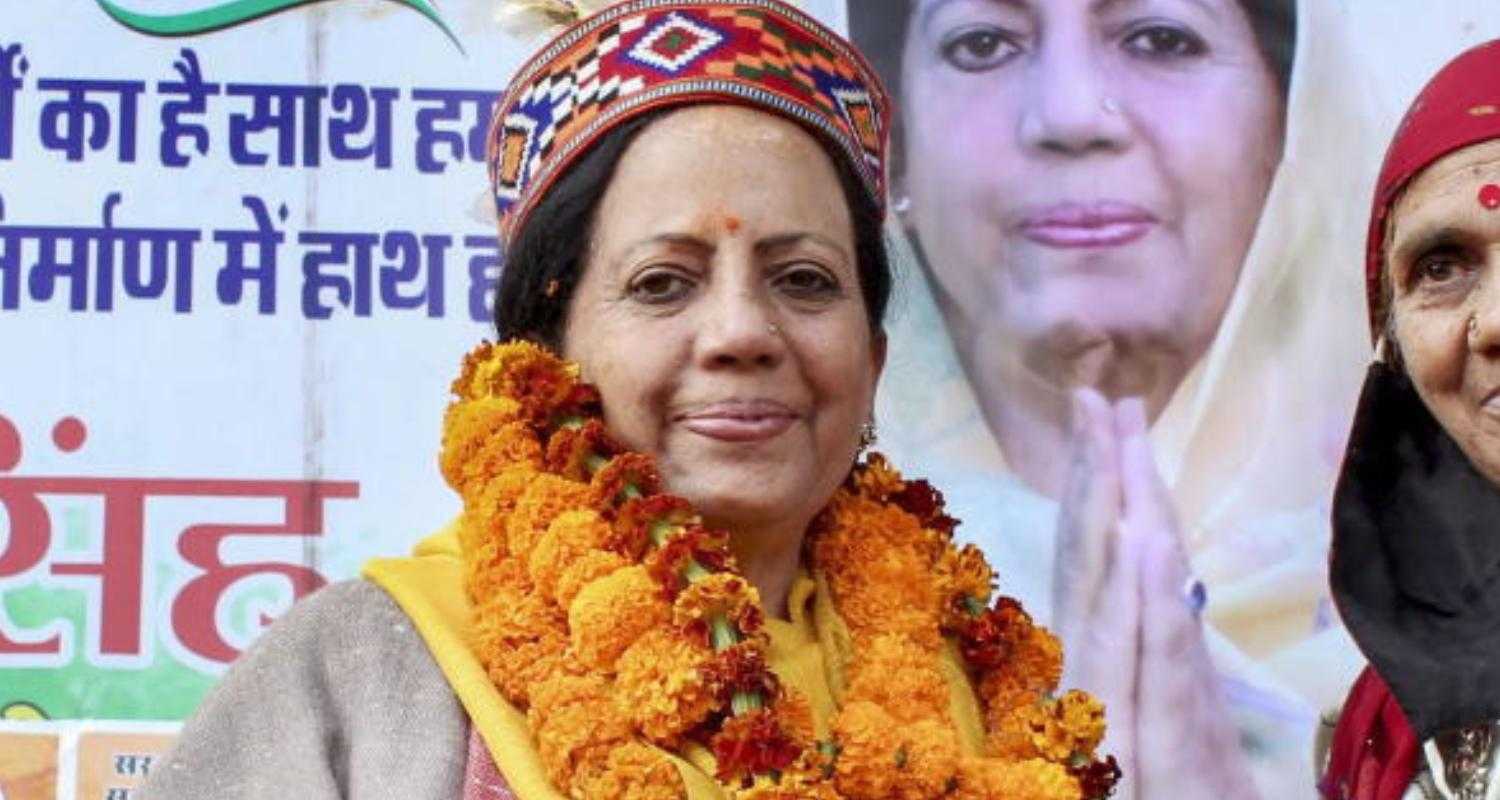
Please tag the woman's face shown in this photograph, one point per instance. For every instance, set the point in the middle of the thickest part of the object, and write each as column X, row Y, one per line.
column 721, row 317
column 1085, row 177
column 1443, row 259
